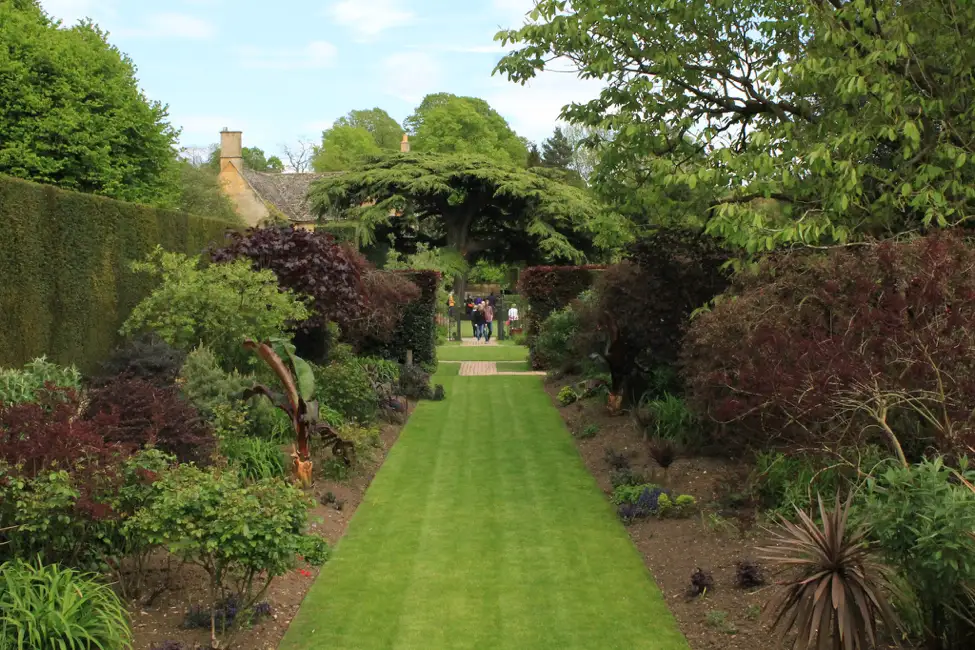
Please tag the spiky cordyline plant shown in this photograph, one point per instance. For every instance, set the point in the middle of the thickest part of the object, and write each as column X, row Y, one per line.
column 838, row 596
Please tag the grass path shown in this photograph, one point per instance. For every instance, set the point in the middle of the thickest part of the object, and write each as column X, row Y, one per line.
column 483, row 531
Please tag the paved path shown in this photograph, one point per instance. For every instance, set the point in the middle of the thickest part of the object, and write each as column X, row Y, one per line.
column 477, row 368
column 476, row 343
column 484, row 531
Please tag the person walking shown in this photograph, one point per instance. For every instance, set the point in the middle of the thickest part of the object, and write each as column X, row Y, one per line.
column 488, row 322
column 477, row 321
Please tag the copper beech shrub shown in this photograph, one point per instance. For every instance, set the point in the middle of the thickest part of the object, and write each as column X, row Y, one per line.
column 876, row 340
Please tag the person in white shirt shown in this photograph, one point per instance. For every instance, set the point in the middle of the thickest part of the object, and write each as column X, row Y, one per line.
column 513, row 313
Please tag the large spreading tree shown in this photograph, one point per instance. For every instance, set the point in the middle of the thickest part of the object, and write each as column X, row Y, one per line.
column 856, row 118
column 471, row 204
column 72, row 113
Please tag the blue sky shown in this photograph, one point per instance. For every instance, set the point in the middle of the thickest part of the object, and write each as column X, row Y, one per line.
column 280, row 71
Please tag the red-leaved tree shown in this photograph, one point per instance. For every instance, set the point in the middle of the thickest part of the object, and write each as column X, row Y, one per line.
column 814, row 348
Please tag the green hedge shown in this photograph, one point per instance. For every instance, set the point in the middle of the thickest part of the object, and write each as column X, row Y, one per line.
column 65, row 282
column 417, row 329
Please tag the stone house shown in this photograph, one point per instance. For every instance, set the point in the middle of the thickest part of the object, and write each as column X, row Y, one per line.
column 260, row 196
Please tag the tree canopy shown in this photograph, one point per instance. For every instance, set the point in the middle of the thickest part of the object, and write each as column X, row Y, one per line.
column 446, row 123
column 72, row 114
column 343, row 147
column 855, row 118
column 471, row 204
column 557, row 150
column 386, row 132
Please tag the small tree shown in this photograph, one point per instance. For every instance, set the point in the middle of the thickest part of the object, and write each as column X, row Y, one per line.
column 218, row 305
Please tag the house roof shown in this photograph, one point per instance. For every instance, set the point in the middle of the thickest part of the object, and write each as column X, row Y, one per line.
column 286, row 192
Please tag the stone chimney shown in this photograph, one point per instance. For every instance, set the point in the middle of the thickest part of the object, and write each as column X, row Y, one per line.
column 404, row 146
column 230, row 149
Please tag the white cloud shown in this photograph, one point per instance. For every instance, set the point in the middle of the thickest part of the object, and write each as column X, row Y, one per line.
column 71, row 11
column 369, row 18
column 533, row 109
column 170, row 25
column 316, row 54
column 410, row 76
column 513, row 11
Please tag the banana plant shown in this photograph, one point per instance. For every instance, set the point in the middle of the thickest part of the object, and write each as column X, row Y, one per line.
column 297, row 380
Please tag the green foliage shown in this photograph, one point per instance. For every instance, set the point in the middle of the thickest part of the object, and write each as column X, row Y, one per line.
column 825, row 122
column 416, row 329
column 200, row 193
column 784, row 483
column 922, row 520
column 386, row 132
column 414, row 382
column 567, row 396
column 590, row 431
column 72, row 113
column 253, row 158
column 667, row 506
column 672, row 420
column 456, row 200
column 49, row 606
column 17, row 386
column 218, row 305
column 446, row 123
column 346, row 387
column 70, row 305
column 557, row 150
column 343, row 147
column 204, row 384
column 255, row 459
column 553, row 344
column 242, row 535
column 365, row 438
column 548, row 289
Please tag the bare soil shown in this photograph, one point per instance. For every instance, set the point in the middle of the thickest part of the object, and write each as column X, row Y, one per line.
column 163, row 620
column 724, row 533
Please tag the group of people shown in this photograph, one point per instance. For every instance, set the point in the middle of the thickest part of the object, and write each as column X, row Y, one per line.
column 482, row 317
column 481, row 312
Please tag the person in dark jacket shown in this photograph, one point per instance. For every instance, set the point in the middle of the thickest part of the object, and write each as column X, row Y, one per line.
column 477, row 322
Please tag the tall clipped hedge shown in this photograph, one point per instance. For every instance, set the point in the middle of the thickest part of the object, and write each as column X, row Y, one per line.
column 65, row 282
column 550, row 288
column 417, row 330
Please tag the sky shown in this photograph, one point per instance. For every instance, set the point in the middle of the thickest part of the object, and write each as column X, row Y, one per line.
column 285, row 70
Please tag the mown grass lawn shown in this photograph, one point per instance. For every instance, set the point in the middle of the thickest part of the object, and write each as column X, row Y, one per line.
column 482, row 353
column 490, row 534
column 513, row 366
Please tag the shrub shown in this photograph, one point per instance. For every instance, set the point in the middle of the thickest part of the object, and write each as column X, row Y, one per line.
column 567, row 396
column 550, row 288
column 624, row 476
column 439, row 394
column 921, row 520
column 554, row 343
column 135, row 412
column 146, row 357
column 38, row 437
column 49, row 606
column 218, row 305
column 637, row 320
column 347, row 388
column 838, row 592
column 310, row 264
column 648, row 500
column 70, row 305
column 664, row 452
column 616, row 460
column 241, row 535
column 17, row 386
column 414, row 383
column 813, row 346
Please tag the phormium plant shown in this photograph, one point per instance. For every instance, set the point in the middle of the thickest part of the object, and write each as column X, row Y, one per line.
column 837, row 596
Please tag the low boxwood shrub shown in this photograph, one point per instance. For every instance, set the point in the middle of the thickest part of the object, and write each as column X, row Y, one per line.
column 414, row 383
column 50, row 606
column 567, row 396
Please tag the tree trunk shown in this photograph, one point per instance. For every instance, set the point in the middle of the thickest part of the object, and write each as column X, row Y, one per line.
column 458, row 232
